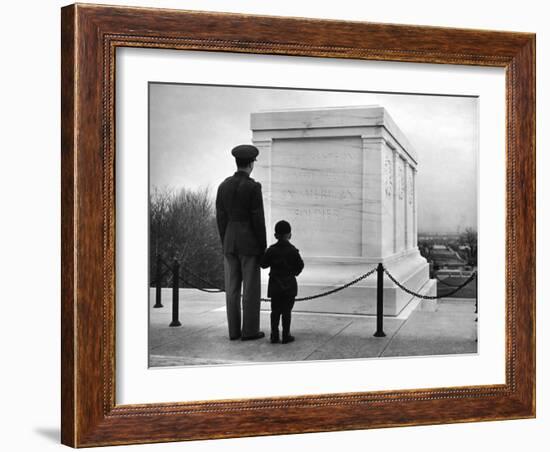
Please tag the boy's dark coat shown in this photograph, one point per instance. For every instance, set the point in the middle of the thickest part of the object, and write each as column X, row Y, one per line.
column 286, row 263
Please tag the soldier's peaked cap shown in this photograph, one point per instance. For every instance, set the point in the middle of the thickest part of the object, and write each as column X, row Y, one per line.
column 245, row 151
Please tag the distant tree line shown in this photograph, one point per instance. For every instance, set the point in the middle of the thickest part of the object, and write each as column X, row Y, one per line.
column 464, row 243
column 182, row 225
column 468, row 238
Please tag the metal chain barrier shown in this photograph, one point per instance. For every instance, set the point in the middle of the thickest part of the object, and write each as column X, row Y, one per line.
column 336, row 289
column 380, row 269
column 445, row 283
column 430, row 297
column 161, row 276
column 202, row 289
column 212, row 287
column 169, row 269
column 310, row 297
column 163, row 262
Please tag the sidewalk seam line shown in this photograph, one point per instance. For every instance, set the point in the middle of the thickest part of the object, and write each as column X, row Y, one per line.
column 393, row 336
column 328, row 340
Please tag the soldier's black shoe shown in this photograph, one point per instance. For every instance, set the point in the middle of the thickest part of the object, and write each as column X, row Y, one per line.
column 274, row 338
column 288, row 339
column 234, row 338
column 258, row 335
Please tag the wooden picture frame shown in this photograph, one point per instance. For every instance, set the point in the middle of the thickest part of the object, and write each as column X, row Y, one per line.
column 90, row 35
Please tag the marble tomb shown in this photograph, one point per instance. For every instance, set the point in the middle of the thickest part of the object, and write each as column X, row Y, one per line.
column 345, row 179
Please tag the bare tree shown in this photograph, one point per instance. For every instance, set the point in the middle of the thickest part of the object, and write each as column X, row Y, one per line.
column 469, row 238
column 183, row 226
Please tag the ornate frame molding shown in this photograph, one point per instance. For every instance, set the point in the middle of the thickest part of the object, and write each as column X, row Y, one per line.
column 90, row 36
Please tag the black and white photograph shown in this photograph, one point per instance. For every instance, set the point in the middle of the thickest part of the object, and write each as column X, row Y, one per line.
column 303, row 224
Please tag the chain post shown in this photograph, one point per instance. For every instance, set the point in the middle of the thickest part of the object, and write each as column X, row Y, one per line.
column 476, row 312
column 476, row 297
column 158, row 284
column 380, row 301
column 175, row 294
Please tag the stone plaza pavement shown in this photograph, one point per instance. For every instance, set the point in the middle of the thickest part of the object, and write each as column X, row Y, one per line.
column 448, row 327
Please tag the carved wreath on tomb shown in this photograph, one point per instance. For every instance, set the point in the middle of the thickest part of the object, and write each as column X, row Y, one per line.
column 388, row 177
column 401, row 183
column 410, row 192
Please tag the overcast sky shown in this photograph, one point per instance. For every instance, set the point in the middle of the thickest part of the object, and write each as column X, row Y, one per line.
column 193, row 129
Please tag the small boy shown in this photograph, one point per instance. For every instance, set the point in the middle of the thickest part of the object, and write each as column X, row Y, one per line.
column 286, row 263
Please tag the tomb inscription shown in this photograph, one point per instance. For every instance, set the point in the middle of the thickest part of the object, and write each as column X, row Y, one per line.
column 316, row 185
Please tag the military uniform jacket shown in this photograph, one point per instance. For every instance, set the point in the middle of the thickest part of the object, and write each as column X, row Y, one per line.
column 286, row 263
column 240, row 215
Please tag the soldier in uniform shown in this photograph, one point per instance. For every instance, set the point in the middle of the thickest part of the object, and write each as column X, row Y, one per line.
column 241, row 224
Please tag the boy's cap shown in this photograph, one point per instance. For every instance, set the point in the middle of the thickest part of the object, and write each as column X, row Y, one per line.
column 245, row 152
column 282, row 227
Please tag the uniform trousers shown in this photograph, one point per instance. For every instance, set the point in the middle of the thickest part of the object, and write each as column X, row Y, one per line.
column 242, row 271
column 281, row 306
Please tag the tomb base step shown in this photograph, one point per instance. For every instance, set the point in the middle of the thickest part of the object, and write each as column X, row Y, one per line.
column 411, row 270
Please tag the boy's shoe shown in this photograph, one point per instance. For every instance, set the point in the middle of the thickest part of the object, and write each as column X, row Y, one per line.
column 287, row 339
column 274, row 339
